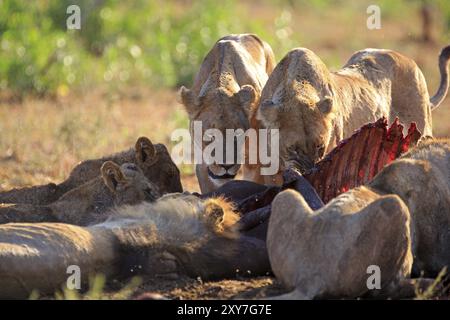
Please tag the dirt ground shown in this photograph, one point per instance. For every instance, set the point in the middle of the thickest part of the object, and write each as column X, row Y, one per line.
column 188, row 289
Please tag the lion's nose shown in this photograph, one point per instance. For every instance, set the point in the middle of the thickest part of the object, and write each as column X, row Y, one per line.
column 131, row 166
column 227, row 166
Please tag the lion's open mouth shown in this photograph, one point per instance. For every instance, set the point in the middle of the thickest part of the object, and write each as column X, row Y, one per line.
column 224, row 176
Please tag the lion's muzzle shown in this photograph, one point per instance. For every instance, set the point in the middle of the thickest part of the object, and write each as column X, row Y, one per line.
column 223, row 171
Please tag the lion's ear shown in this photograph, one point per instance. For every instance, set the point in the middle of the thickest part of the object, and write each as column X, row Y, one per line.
column 112, row 175
column 326, row 105
column 188, row 99
column 186, row 96
column 214, row 213
column 246, row 96
column 145, row 151
column 268, row 112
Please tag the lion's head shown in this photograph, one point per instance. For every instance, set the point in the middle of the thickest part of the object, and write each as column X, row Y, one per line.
column 155, row 162
column 297, row 100
column 128, row 184
column 221, row 109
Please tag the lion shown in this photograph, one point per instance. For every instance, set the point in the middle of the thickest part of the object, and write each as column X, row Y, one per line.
column 314, row 108
column 179, row 234
column 399, row 222
column 91, row 202
column 153, row 159
column 330, row 251
column 225, row 95
column 421, row 178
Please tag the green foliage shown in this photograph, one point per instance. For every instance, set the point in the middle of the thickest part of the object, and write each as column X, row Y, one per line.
column 444, row 9
column 36, row 56
column 151, row 42
column 97, row 290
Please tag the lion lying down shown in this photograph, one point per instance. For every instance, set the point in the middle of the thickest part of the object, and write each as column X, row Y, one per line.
column 90, row 202
column 398, row 222
column 152, row 159
column 198, row 236
column 178, row 234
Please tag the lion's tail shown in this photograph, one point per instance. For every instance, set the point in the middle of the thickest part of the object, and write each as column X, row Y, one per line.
column 444, row 59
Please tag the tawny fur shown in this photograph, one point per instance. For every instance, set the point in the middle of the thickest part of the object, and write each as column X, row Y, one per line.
column 314, row 108
column 91, row 202
column 326, row 253
column 169, row 237
column 153, row 159
column 227, row 224
column 225, row 94
column 183, row 216
column 407, row 207
column 421, row 178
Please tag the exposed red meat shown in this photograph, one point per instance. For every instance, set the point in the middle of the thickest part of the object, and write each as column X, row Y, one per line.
column 356, row 160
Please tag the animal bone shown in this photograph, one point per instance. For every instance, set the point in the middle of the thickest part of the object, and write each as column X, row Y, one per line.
column 356, row 160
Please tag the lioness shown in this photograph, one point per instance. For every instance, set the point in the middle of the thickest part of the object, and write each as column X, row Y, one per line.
column 314, row 108
column 224, row 96
column 90, row 202
column 178, row 234
column 331, row 250
column 153, row 159
column 325, row 253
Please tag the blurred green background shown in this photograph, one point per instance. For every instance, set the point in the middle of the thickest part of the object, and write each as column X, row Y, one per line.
column 161, row 43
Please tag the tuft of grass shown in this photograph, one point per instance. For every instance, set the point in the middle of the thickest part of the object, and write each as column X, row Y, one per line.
column 435, row 289
column 97, row 290
column 128, row 290
column 34, row 295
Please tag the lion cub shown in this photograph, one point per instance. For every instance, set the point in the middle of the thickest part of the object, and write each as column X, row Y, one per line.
column 153, row 159
column 90, row 202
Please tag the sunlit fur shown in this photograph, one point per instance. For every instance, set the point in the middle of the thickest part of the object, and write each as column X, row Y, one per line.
column 314, row 108
column 226, row 93
column 180, row 216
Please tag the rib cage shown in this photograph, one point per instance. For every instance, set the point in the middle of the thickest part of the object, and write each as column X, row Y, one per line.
column 356, row 160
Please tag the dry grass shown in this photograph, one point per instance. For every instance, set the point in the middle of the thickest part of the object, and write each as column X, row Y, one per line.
column 42, row 140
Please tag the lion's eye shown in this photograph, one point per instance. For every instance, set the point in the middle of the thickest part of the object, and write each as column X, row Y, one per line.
column 131, row 166
column 210, row 136
column 320, row 149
